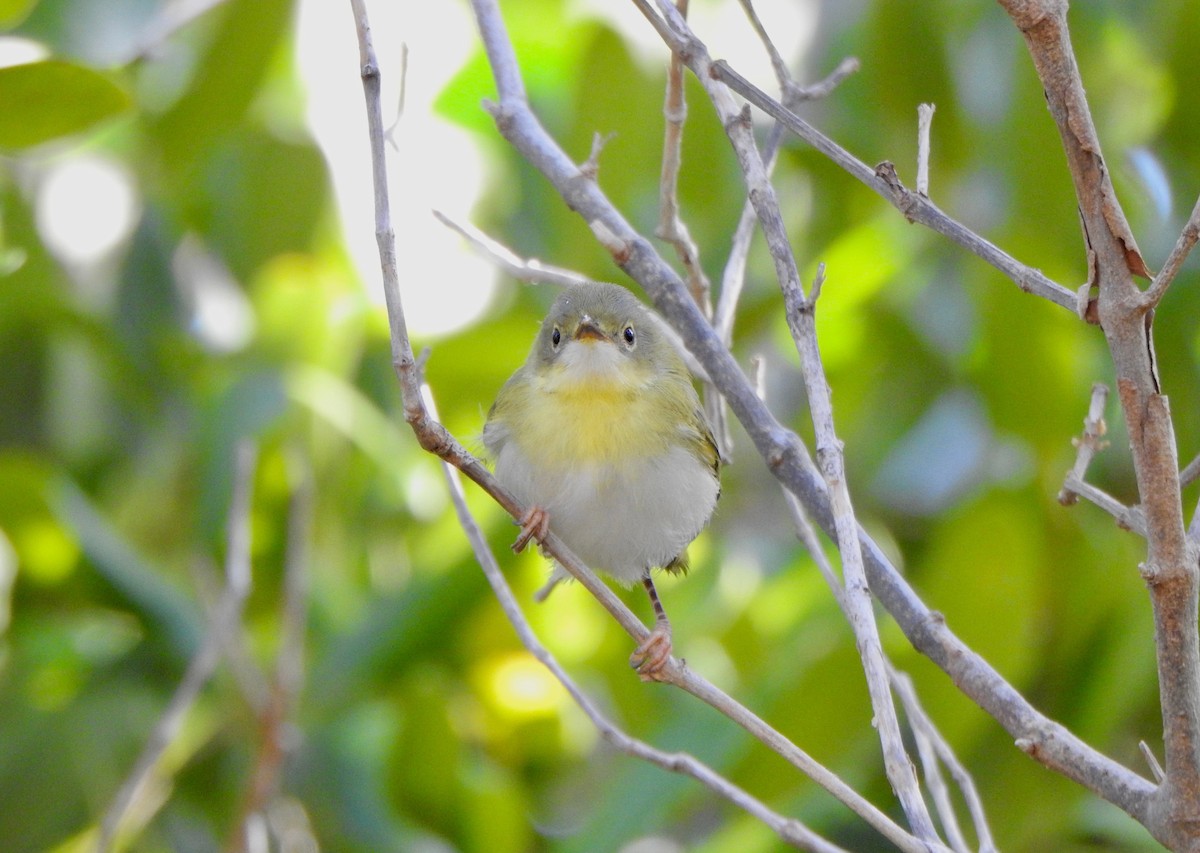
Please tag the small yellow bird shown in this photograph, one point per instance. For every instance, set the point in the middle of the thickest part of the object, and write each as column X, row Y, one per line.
column 601, row 434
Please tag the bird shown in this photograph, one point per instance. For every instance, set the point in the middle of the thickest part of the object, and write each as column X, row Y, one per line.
column 601, row 434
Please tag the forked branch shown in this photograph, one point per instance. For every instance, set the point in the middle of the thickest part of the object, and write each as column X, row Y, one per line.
column 433, row 437
column 785, row 455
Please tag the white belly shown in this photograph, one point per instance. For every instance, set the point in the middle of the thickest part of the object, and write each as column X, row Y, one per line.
column 621, row 520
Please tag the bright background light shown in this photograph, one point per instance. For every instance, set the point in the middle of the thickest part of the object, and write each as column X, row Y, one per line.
column 86, row 208
column 435, row 165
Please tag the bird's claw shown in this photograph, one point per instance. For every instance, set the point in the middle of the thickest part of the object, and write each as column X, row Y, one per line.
column 535, row 524
column 653, row 653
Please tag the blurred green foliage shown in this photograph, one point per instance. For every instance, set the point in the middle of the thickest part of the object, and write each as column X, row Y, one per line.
column 422, row 725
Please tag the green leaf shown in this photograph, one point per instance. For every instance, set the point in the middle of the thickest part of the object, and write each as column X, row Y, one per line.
column 226, row 80
column 47, row 100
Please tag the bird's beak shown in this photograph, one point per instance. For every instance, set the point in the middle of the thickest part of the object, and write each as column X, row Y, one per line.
column 587, row 329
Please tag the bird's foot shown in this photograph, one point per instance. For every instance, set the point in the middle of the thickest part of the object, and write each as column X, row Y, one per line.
column 535, row 524
column 652, row 655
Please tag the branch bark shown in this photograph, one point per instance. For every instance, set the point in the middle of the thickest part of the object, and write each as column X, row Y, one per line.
column 1125, row 313
column 433, row 437
column 884, row 181
column 786, row 457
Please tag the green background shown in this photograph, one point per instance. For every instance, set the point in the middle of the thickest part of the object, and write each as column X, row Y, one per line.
column 421, row 724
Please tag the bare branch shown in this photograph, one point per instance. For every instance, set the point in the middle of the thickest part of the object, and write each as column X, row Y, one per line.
column 671, row 227
column 225, row 619
column 782, row 75
column 277, row 735
column 857, row 595
column 590, row 168
column 389, row 134
column 734, row 277
column 1152, row 762
column 523, row 269
column 883, row 181
column 1190, row 473
column 1183, row 247
column 786, row 457
column 924, row 120
column 799, row 311
column 1171, row 569
column 1128, row 518
column 1090, row 443
column 934, row 748
column 790, row 830
column 925, row 733
column 824, row 87
column 432, row 436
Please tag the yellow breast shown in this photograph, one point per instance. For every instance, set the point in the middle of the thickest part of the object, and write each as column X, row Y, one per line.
column 592, row 423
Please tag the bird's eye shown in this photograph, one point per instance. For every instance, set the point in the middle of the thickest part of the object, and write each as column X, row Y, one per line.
column 555, row 337
column 628, row 335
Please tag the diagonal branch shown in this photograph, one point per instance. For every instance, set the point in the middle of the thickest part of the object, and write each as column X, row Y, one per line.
column 883, row 180
column 433, row 437
column 523, row 269
column 1171, row 571
column 801, row 320
column 225, row 619
column 734, row 276
column 1050, row 743
column 1183, row 247
column 790, row 830
column 929, row 740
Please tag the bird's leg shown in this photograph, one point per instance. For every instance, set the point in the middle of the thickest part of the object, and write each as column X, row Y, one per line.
column 652, row 655
column 544, row 593
column 535, row 524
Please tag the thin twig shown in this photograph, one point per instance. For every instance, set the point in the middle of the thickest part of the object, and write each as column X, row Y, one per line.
column 277, row 736
column 899, row 768
column 924, row 121
column 1048, row 742
column 523, row 269
column 389, row 134
column 534, row 271
column 935, row 782
column 733, row 278
column 782, row 75
column 674, row 231
column 671, row 227
column 226, row 618
column 1190, row 473
column 1090, row 443
column 823, row 88
column 856, row 596
column 790, row 830
column 883, row 180
column 1131, row 518
column 1152, row 762
column 590, row 168
column 432, row 436
column 924, row 731
column 1183, row 247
